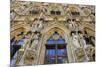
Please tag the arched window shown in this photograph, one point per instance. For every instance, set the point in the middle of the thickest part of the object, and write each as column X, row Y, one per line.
column 55, row 50
column 58, row 13
column 34, row 11
column 55, row 12
column 55, row 39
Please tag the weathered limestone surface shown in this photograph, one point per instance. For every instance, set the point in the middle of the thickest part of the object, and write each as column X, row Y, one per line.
column 43, row 23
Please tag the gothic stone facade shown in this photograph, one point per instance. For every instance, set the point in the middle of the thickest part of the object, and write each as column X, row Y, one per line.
column 68, row 30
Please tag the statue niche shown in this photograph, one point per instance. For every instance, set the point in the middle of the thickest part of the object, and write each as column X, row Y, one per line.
column 35, row 41
column 81, row 39
column 75, row 41
column 39, row 25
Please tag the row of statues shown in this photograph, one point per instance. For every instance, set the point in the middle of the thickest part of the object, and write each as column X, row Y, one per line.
column 77, row 37
column 79, row 46
column 78, row 40
column 72, row 25
column 34, row 42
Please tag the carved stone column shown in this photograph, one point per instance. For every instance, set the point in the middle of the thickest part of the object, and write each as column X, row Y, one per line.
column 19, row 56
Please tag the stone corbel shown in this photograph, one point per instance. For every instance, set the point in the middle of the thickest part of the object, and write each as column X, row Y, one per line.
column 90, row 50
column 30, row 57
column 80, row 54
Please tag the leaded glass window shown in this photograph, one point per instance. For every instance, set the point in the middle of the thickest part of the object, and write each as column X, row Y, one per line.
column 55, row 50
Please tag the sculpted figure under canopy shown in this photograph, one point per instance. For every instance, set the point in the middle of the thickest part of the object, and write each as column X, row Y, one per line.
column 82, row 40
column 35, row 41
column 75, row 41
column 39, row 26
column 75, row 25
column 70, row 25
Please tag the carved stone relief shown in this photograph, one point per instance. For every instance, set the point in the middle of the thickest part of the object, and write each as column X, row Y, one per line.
column 29, row 57
column 19, row 55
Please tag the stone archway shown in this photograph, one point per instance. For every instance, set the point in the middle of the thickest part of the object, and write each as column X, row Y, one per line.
column 46, row 35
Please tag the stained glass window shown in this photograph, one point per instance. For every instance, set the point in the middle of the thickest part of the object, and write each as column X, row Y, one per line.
column 58, row 40
column 55, row 50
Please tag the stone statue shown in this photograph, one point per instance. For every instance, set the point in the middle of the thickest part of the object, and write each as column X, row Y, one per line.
column 93, row 40
column 26, row 38
column 23, row 9
column 35, row 41
column 75, row 41
column 76, row 26
column 82, row 40
column 73, row 23
column 34, row 25
column 92, row 18
column 83, row 44
column 70, row 25
column 39, row 26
